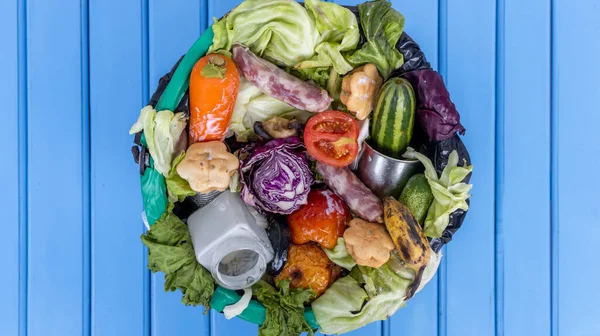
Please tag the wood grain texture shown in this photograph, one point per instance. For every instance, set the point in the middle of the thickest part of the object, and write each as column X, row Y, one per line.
column 55, row 169
column 576, row 219
column 11, row 173
column 471, row 64
column 116, row 88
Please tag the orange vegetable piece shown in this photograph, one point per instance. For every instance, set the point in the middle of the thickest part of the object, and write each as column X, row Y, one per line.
column 309, row 267
column 321, row 220
column 214, row 86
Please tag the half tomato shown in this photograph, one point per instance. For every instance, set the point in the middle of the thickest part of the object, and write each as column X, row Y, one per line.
column 331, row 138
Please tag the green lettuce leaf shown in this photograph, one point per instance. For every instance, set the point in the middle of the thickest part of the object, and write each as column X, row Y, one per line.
column 163, row 132
column 368, row 294
column 177, row 187
column 340, row 256
column 280, row 31
column 318, row 75
column 252, row 105
column 285, row 309
column 449, row 192
column 342, row 307
column 382, row 26
column 338, row 32
column 170, row 251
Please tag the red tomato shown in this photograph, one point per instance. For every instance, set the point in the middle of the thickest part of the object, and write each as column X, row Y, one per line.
column 330, row 137
column 322, row 220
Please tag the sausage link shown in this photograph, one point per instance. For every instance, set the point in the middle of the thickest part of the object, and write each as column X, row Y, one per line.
column 279, row 84
column 358, row 197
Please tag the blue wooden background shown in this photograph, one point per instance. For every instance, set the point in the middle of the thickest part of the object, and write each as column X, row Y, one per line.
column 75, row 73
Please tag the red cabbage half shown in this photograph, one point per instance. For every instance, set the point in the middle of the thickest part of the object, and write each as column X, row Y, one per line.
column 436, row 113
column 276, row 177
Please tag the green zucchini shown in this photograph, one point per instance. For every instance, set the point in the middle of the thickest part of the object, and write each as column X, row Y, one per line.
column 394, row 117
column 417, row 196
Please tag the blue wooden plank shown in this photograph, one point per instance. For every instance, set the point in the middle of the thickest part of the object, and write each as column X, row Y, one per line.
column 218, row 8
column 173, row 28
column 470, row 59
column 116, row 97
column 419, row 317
column 55, row 185
column 86, row 193
column 9, row 171
column 575, row 154
column 221, row 326
column 523, row 216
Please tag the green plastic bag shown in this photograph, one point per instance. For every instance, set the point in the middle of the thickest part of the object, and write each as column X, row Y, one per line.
column 154, row 195
column 154, row 191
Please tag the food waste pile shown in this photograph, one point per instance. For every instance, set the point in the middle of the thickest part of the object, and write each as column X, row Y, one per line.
column 301, row 167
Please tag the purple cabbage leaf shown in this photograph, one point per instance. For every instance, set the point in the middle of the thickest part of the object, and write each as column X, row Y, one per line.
column 435, row 112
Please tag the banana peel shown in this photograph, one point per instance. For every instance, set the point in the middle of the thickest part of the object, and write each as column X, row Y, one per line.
column 408, row 236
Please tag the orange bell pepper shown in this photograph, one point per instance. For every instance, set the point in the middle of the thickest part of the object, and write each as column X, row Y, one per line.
column 214, row 86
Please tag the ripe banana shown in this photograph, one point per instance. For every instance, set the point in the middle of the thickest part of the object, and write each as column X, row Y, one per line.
column 411, row 243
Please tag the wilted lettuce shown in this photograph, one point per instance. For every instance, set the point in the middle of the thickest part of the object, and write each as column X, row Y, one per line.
column 368, row 295
column 449, row 192
column 338, row 32
column 177, row 187
column 280, row 31
column 340, row 256
column 165, row 135
column 382, row 26
column 170, row 251
column 252, row 105
column 285, row 309
column 342, row 307
column 308, row 41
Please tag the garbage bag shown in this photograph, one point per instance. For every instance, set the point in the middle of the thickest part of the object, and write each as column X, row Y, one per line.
column 162, row 85
column 154, row 194
column 414, row 58
column 153, row 185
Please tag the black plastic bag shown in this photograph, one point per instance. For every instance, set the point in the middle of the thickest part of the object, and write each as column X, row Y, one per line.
column 439, row 152
column 162, row 85
column 414, row 58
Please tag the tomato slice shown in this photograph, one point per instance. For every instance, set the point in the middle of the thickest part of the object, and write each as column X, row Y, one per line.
column 331, row 138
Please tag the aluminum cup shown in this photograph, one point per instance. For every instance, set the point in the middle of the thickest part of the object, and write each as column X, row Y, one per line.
column 385, row 176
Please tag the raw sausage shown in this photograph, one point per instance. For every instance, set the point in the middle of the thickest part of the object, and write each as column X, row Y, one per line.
column 279, row 84
column 358, row 197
